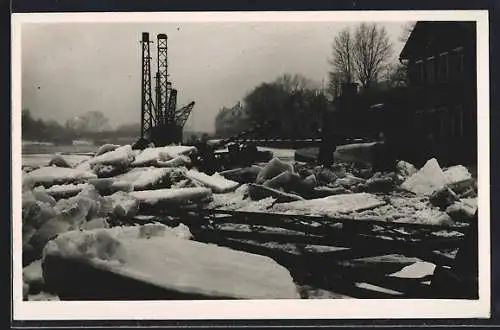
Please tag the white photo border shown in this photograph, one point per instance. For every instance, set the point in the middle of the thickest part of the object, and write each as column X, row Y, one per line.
column 259, row 309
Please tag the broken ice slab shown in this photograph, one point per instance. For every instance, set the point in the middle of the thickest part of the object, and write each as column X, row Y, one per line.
column 108, row 186
column 419, row 269
column 150, row 156
column 49, row 176
column 285, row 180
column 176, row 196
column 459, row 178
column 156, row 178
column 147, row 157
column 48, row 231
column 66, row 190
column 37, row 213
column 427, row 180
column 443, row 198
column 472, row 202
column 59, row 161
column 179, row 161
column 332, row 205
column 171, row 152
column 43, row 296
column 113, row 264
column 349, row 180
column 242, row 175
column 457, row 174
column 32, row 274
column 95, row 224
column 41, row 194
column 325, row 191
column 376, row 288
column 463, row 210
column 122, row 204
column 405, row 169
column 121, row 156
column 356, row 152
column 108, row 170
column 144, row 178
column 106, row 148
column 273, row 168
column 216, row 182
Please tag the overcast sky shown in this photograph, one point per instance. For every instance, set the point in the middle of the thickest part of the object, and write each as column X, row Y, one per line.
column 71, row 68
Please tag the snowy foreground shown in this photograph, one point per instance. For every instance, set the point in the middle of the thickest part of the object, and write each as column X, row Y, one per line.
column 71, row 203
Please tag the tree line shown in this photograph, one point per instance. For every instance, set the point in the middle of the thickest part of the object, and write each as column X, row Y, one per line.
column 361, row 56
column 292, row 102
column 91, row 125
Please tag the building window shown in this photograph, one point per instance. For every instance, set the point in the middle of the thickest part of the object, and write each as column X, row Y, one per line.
column 430, row 67
column 443, row 113
column 461, row 63
column 457, row 63
column 436, row 124
column 453, row 125
column 419, row 121
column 443, row 67
column 460, row 121
column 419, row 73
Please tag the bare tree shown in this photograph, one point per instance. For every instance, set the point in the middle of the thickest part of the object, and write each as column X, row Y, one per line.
column 342, row 56
column 334, row 84
column 396, row 75
column 294, row 82
column 372, row 50
column 361, row 57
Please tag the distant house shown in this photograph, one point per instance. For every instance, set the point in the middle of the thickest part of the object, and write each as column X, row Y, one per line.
column 441, row 62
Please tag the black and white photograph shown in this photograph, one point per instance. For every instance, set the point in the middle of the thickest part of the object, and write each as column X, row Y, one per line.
column 197, row 160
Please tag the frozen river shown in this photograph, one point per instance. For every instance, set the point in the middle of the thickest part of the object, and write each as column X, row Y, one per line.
column 41, row 155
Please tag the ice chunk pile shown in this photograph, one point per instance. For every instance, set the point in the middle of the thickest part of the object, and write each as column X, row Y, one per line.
column 431, row 178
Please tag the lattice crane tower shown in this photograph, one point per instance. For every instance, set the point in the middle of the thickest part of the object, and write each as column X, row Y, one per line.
column 161, row 123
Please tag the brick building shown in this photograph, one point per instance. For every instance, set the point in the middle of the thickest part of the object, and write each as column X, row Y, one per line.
column 436, row 114
column 441, row 62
